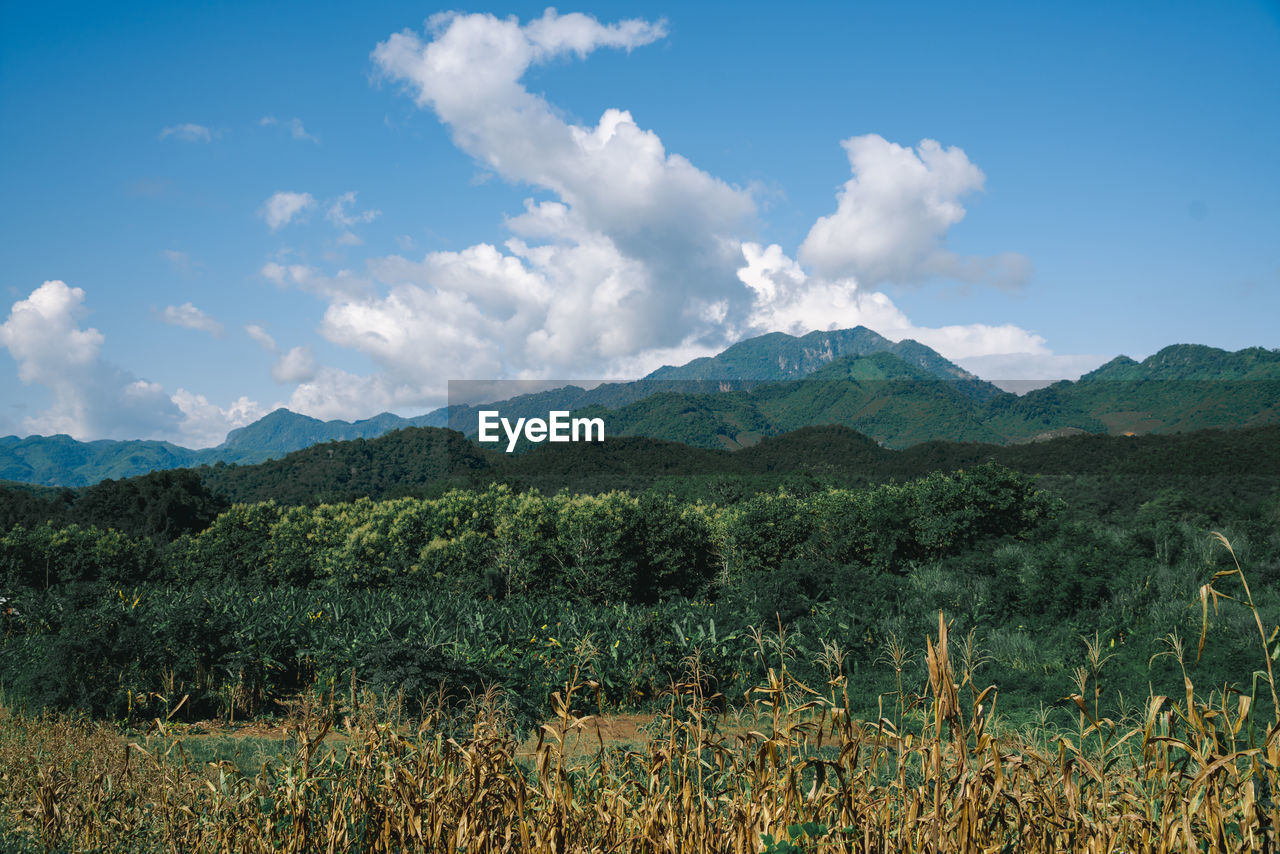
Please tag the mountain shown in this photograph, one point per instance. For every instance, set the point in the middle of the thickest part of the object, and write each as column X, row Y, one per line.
column 283, row 431
column 900, row 403
column 766, row 359
column 63, row 461
column 899, row 393
column 880, row 395
column 1181, row 388
column 777, row 356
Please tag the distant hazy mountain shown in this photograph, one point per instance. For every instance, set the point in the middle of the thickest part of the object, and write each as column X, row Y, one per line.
column 899, row 393
column 283, row 431
column 62, row 461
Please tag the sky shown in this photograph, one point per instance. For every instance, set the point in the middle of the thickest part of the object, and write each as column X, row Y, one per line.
column 213, row 210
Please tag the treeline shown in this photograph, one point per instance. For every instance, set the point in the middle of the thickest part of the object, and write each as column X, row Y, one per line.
column 614, row 547
column 409, row 597
column 428, row 462
column 161, row 505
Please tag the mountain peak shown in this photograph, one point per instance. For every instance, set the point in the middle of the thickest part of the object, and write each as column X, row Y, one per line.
column 777, row 356
column 1121, row 367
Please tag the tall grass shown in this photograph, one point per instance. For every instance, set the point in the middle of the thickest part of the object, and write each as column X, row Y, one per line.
column 936, row 773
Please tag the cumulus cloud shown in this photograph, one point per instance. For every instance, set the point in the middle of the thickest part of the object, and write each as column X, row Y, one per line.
column 43, row 335
column 638, row 258
column 645, row 226
column 187, row 133
column 281, row 208
column 335, row 393
column 627, row 257
column 295, row 366
column 191, row 317
column 892, row 218
column 294, row 126
column 90, row 397
column 206, row 425
column 789, row 300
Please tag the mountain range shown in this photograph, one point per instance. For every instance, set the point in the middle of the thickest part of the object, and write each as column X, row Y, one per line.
column 898, row 393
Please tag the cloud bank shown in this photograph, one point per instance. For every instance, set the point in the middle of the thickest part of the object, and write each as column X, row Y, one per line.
column 638, row 257
column 90, row 398
column 626, row 256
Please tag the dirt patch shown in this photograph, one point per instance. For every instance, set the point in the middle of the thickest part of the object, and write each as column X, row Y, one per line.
column 627, row 730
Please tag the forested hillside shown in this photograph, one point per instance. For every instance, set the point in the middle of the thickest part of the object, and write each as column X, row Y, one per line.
column 243, row 586
column 429, row 461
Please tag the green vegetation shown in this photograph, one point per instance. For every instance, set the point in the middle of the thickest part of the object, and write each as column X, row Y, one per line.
column 795, row 767
column 492, row 585
column 374, row 586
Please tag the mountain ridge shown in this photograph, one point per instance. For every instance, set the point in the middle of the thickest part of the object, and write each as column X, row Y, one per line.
column 1220, row 389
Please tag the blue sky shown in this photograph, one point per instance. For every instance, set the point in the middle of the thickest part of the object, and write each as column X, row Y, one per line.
column 214, row 210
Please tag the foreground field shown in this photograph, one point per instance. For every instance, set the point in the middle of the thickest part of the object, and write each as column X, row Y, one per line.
column 792, row 772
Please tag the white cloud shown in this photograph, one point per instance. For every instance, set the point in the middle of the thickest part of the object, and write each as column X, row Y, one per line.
column 298, row 365
column 281, row 208
column 92, row 398
column 192, row 318
column 892, row 218
column 637, row 246
column 790, row 300
column 662, row 229
column 44, row 337
column 342, row 218
column 336, row 393
column 294, row 126
column 264, row 339
column 287, row 274
column 342, row 285
column 206, row 425
column 638, row 259
column 188, row 133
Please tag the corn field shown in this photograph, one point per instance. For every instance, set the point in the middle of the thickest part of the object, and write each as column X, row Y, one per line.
column 935, row 774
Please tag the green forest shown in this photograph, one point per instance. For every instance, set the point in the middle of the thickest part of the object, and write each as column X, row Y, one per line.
column 433, row 571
